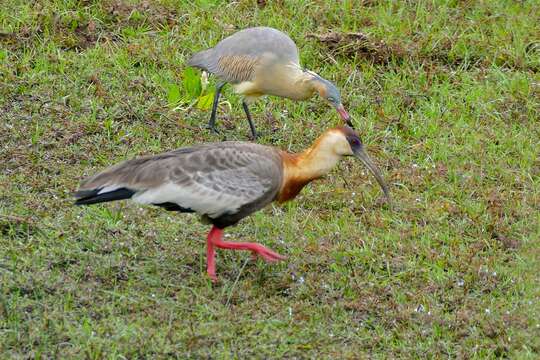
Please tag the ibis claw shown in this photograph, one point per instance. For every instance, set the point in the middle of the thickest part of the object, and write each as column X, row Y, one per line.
column 267, row 255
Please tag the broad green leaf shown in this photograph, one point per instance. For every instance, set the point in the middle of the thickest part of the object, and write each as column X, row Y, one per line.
column 192, row 83
column 205, row 101
column 173, row 95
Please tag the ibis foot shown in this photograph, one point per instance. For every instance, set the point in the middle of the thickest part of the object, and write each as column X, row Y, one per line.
column 213, row 278
column 256, row 249
column 215, row 240
column 267, row 254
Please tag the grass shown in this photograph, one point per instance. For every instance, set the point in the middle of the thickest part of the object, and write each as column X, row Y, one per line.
column 446, row 97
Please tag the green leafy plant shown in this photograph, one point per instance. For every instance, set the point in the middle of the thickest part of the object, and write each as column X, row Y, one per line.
column 174, row 96
column 192, row 83
column 204, row 102
column 192, row 92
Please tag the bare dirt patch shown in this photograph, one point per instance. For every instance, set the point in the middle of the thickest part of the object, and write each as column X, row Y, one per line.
column 361, row 45
column 79, row 30
column 380, row 52
column 148, row 12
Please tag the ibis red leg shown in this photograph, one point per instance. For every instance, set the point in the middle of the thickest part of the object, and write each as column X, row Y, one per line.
column 211, row 253
column 215, row 239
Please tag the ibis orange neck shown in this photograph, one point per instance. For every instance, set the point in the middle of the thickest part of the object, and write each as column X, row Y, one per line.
column 301, row 169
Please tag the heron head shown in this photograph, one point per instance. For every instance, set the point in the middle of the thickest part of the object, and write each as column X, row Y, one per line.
column 328, row 91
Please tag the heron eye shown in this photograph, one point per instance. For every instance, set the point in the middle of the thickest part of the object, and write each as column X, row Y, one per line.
column 354, row 142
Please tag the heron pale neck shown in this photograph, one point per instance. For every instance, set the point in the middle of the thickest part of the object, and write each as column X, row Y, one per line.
column 304, row 85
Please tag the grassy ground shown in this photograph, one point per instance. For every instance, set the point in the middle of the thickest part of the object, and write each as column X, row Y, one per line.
column 446, row 97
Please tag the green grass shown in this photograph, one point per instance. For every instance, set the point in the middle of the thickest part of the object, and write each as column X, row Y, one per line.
column 449, row 108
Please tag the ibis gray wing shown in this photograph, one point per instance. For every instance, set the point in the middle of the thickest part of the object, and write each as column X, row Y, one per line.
column 211, row 180
column 220, row 180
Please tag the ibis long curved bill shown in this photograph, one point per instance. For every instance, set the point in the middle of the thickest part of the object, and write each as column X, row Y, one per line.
column 361, row 154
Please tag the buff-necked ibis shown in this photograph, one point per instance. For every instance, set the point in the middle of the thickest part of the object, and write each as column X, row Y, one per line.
column 224, row 182
column 263, row 61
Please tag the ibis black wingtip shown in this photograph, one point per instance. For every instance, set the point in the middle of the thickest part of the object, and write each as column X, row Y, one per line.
column 89, row 197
